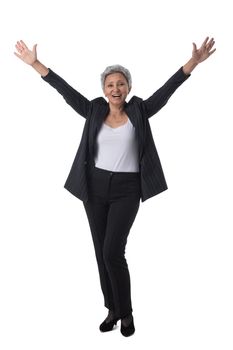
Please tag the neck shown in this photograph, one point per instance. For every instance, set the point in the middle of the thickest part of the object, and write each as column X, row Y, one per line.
column 116, row 111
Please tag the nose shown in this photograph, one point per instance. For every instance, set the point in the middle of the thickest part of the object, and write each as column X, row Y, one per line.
column 116, row 88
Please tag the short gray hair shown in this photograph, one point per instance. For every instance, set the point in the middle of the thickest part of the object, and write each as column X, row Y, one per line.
column 117, row 68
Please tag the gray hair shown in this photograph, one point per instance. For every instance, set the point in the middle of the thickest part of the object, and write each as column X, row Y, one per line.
column 117, row 68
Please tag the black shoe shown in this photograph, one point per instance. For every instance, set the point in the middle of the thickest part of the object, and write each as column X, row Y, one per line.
column 129, row 330
column 108, row 326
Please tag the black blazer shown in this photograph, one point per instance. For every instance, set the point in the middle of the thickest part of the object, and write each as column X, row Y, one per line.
column 138, row 111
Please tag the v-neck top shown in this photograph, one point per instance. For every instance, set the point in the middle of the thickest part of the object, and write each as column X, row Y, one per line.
column 117, row 148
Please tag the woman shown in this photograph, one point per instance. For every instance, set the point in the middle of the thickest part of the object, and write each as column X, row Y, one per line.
column 116, row 165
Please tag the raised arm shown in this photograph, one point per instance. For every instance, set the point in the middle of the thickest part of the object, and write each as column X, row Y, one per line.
column 199, row 55
column 76, row 100
column 155, row 102
column 30, row 57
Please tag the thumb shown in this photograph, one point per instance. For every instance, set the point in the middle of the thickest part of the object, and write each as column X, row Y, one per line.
column 34, row 48
column 194, row 47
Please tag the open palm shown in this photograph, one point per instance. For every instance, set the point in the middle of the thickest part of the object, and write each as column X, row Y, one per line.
column 26, row 55
column 201, row 54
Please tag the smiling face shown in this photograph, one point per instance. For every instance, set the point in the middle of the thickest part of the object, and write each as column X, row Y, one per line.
column 116, row 88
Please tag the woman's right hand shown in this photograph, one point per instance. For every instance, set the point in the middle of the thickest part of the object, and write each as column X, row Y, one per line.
column 26, row 55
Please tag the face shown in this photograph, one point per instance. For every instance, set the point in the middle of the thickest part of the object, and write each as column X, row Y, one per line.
column 116, row 88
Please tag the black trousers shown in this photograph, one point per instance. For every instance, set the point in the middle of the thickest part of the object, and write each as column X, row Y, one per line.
column 113, row 203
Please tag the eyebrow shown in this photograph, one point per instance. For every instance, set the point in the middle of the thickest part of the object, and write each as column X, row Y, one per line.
column 118, row 81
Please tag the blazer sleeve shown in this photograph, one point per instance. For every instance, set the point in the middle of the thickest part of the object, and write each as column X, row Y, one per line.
column 155, row 102
column 77, row 101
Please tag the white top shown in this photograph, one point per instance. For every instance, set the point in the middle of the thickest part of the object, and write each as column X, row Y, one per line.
column 117, row 148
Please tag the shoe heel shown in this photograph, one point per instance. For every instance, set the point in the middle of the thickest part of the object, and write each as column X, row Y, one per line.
column 129, row 330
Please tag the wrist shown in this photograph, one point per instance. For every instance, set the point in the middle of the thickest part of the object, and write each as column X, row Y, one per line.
column 34, row 63
column 189, row 66
column 40, row 68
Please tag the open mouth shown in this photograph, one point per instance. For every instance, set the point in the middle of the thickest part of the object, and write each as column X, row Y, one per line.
column 116, row 96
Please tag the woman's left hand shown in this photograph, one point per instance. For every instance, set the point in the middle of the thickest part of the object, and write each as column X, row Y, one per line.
column 201, row 54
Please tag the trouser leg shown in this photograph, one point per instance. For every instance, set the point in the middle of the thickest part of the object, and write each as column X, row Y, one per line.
column 111, row 209
column 121, row 216
column 97, row 214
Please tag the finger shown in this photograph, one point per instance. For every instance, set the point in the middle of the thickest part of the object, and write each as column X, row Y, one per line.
column 211, row 52
column 213, row 41
column 18, row 48
column 194, row 47
column 210, row 42
column 18, row 45
column 205, row 41
column 34, row 48
column 16, row 54
column 23, row 44
column 210, row 45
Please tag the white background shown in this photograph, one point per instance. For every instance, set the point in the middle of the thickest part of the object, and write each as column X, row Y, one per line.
column 180, row 247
